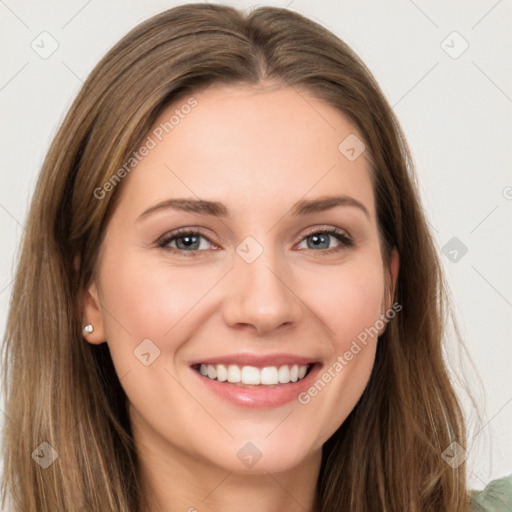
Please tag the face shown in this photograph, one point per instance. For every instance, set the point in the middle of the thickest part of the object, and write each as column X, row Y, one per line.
column 239, row 304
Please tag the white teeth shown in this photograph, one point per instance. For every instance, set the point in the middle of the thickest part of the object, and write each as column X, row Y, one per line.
column 212, row 372
column 294, row 373
column 234, row 373
column 250, row 375
column 269, row 375
column 284, row 374
column 222, row 373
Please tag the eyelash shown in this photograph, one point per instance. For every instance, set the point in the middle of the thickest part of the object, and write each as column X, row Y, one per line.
column 345, row 241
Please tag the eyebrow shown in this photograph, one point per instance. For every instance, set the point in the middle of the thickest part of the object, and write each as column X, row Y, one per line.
column 214, row 208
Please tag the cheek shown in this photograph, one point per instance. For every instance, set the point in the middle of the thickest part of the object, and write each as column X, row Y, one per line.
column 348, row 299
column 150, row 298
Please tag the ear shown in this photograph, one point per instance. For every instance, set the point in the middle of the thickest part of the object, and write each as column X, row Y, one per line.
column 92, row 314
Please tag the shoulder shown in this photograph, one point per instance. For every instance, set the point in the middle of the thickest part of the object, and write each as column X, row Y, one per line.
column 495, row 497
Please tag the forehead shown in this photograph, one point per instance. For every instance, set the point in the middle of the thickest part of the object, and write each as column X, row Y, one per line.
column 251, row 146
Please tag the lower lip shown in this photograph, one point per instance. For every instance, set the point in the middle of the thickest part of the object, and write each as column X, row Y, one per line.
column 262, row 397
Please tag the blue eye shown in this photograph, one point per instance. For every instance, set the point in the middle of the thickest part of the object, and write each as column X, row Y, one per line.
column 321, row 239
column 189, row 242
column 185, row 240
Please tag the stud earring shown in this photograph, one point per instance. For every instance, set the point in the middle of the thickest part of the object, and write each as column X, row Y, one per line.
column 88, row 329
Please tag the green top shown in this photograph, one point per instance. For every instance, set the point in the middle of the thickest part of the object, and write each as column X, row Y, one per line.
column 496, row 497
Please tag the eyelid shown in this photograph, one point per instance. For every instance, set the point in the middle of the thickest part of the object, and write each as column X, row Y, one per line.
column 326, row 229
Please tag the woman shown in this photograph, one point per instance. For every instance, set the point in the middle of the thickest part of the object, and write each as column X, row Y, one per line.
column 228, row 297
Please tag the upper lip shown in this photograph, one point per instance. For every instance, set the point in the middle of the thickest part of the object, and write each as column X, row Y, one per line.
column 261, row 360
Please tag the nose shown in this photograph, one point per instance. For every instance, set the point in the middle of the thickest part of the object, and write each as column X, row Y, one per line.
column 261, row 295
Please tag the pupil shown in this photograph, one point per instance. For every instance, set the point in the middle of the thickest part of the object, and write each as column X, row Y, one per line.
column 317, row 240
column 188, row 240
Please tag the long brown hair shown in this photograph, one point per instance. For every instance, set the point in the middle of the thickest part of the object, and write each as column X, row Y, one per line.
column 60, row 390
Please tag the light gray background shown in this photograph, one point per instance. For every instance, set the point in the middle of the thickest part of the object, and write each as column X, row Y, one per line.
column 456, row 113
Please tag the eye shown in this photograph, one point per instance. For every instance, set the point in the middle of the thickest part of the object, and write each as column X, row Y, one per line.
column 189, row 242
column 320, row 239
column 185, row 240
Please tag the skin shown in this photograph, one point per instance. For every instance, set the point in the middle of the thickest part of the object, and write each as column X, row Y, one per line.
column 257, row 150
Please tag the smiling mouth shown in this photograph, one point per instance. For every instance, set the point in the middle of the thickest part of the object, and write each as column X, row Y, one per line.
column 252, row 375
